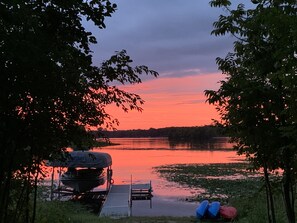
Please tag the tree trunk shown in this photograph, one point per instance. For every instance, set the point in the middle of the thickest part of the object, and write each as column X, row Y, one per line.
column 4, row 199
column 269, row 197
column 6, row 176
column 5, row 193
column 28, row 199
column 19, row 206
column 288, row 195
column 35, row 193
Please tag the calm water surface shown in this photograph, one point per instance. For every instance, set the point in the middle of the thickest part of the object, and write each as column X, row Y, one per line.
column 135, row 158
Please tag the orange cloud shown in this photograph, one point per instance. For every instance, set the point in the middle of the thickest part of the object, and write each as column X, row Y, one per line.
column 170, row 102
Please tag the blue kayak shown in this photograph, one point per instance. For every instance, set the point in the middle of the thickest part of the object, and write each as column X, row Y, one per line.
column 201, row 209
column 213, row 210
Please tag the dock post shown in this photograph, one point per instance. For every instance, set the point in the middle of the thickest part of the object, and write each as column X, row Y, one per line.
column 59, row 184
column 109, row 178
column 52, row 184
column 150, row 190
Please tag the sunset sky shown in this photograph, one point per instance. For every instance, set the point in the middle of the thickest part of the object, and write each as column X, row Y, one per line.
column 173, row 38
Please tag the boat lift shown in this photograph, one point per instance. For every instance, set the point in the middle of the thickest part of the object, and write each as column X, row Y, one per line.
column 116, row 199
column 80, row 159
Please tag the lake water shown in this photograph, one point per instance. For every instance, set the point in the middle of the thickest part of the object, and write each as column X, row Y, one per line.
column 135, row 158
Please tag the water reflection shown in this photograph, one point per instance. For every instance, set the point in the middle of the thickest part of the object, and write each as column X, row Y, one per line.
column 163, row 143
column 136, row 157
column 215, row 144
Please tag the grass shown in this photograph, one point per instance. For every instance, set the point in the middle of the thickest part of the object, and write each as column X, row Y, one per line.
column 230, row 183
column 236, row 187
column 251, row 210
column 74, row 212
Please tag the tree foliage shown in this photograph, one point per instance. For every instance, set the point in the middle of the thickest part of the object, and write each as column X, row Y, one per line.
column 50, row 90
column 257, row 100
column 187, row 134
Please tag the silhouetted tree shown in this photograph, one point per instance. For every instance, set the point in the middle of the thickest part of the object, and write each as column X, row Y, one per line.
column 50, row 90
column 257, row 100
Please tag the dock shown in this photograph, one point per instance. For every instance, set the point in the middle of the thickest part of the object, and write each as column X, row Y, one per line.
column 118, row 202
column 142, row 192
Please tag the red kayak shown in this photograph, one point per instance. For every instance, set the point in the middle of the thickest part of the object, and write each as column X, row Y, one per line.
column 228, row 212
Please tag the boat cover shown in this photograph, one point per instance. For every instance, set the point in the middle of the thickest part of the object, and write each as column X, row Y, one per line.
column 84, row 159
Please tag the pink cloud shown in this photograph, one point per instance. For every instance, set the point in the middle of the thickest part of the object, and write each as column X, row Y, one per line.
column 170, row 102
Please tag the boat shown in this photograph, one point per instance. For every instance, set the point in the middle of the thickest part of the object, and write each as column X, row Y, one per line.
column 202, row 209
column 228, row 212
column 208, row 210
column 82, row 180
column 213, row 209
column 85, row 170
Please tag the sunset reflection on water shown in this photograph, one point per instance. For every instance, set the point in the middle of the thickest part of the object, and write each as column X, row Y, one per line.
column 137, row 158
column 164, row 143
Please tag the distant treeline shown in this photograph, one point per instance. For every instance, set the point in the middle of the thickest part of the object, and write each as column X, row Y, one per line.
column 173, row 133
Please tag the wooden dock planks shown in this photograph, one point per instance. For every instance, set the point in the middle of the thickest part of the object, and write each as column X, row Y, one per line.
column 117, row 203
column 142, row 192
